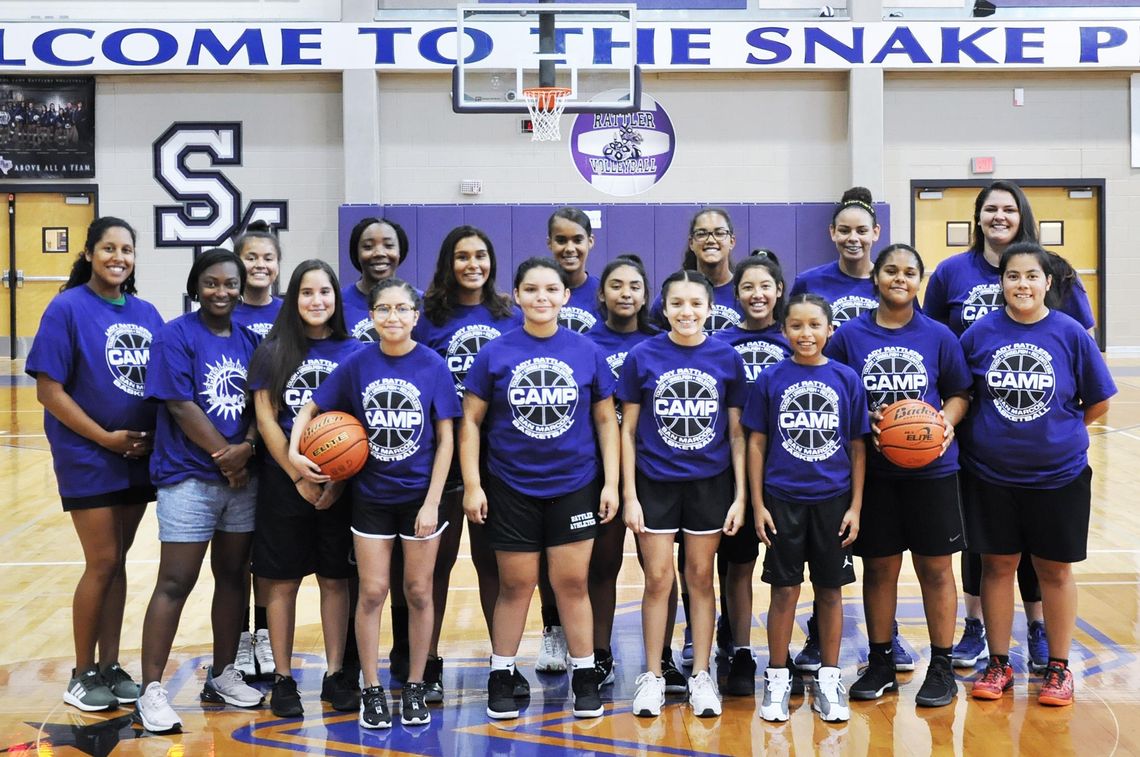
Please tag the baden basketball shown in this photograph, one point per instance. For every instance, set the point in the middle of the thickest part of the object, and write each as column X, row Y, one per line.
column 337, row 442
column 911, row 433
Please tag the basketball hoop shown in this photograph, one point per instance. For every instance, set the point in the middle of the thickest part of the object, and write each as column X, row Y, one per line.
column 545, row 105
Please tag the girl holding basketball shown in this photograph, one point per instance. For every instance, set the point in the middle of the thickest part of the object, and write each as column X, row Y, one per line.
column 1039, row 381
column 682, row 471
column 543, row 395
column 376, row 248
column 302, row 527
column 570, row 238
column 89, row 360
column 902, row 354
column 207, row 494
column 807, row 494
column 403, row 394
column 260, row 253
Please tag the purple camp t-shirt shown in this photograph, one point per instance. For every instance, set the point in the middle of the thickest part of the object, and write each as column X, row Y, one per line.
column 615, row 346
column 1031, row 383
column 760, row 349
column 848, row 295
column 920, row 361
column 581, row 314
column 398, row 399
column 541, row 391
column 459, row 340
column 810, row 414
column 98, row 352
column 258, row 318
column 684, row 394
column 357, row 317
column 725, row 310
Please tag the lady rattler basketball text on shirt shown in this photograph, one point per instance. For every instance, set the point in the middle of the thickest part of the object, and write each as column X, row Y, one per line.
column 258, row 318
column 760, row 349
column 848, row 295
column 357, row 316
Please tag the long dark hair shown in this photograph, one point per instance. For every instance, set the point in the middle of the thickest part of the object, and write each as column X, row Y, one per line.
column 442, row 296
column 81, row 268
column 766, row 259
column 634, row 262
column 358, row 231
column 689, row 261
column 1064, row 275
column 279, row 354
column 1027, row 226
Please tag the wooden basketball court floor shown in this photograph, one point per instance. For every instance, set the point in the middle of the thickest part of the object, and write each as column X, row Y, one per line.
column 40, row 562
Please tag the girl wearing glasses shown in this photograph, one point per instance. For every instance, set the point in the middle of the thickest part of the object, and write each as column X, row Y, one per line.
column 709, row 251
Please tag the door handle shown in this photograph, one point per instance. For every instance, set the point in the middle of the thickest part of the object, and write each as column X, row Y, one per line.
column 19, row 278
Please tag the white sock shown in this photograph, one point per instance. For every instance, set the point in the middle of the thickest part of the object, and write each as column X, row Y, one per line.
column 502, row 662
column 578, row 663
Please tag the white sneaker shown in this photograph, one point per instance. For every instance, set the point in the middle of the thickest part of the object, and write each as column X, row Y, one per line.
column 154, row 710
column 703, row 696
column 777, row 694
column 649, row 695
column 829, row 696
column 263, row 654
column 244, row 661
column 552, row 657
column 230, row 688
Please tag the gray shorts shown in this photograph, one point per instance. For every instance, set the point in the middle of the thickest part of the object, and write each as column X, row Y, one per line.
column 192, row 510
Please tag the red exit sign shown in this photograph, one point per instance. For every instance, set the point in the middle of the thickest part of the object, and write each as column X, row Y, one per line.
column 982, row 165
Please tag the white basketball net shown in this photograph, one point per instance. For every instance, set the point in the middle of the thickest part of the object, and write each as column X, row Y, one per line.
column 545, row 105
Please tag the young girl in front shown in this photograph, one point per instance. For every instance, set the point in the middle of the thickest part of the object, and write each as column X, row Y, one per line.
column 807, row 492
column 302, row 527
column 543, row 394
column 403, row 394
column 682, row 470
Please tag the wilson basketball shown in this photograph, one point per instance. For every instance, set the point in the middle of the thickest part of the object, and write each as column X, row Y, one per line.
column 337, row 442
column 911, row 433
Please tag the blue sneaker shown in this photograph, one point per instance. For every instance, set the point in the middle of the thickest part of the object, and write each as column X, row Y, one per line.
column 809, row 659
column 1038, row 647
column 972, row 647
column 687, row 649
column 903, row 661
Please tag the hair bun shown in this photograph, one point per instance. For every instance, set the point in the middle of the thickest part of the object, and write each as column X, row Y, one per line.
column 857, row 194
column 261, row 226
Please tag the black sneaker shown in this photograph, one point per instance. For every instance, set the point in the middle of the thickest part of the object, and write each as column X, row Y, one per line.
column 724, row 643
column 399, row 663
column 604, row 664
column 433, row 680
column 939, row 688
column 413, row 708
column 741, row 681
column 521, row 685
column 878, row 677
column 797, row 679
column 286, row 702
column 587, row 701
column 374, row 708
column 675, row 681
column 340, row 691
column 501, row 695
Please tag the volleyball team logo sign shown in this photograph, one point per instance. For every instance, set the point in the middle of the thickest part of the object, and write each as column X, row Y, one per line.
column 809, row 421
column 462, row 348
column 623, row 154
column 127, row 350
column 224, row 388
column 844, row 309
column 982, row 300
column 576, row 319
column 758, row 355
column 304, row 381
column 686, row 404
column 1021, row 381
column 721, row 318
column 543, row 396
column 891, row 374
column 394, row 417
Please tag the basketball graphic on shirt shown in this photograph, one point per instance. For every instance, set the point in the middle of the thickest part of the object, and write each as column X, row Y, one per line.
column 1021, row 381
column 576, row 319
column 982, row 300
column 261, row 329
column 843, row 309
column 462, row 348
column 365, row 331
column 224, row 388
column 394, row 417
column 809, row 421
column 686, row 404
column 615, row 362
column 127, row 350
column 893, row 373
column 304, row 381
column 543, row 396
column 758, row 355
column 721, row 318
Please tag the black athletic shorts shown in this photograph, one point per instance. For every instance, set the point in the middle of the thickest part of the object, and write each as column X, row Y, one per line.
column 521, row 523
column 923, row 515
column 372, row 520
column 134, row 495
column 808, row 532
column 744, row 546
column 695, row 507
column 291, row 538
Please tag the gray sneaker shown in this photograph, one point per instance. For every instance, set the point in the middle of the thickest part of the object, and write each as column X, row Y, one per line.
column 229, row 688
column 777, row 695
column 829, row 696
column 121, row 684
column 88, row 691
column 154, row 711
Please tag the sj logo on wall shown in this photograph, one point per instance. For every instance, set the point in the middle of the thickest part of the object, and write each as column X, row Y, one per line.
column 47, row 127
column 623, row 154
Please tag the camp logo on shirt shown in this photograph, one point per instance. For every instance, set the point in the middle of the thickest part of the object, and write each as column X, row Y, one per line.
column 464, row 346
column 686, row 404
column 615, row 362
column 394, row 416
column 891, row 374
column 809, row 421
column 128, row 351
column 1021, row 381
column 721, row 318
column 843, row 309
column 224, row 388
column 365, row 331
column 576, row 319
column 758, row 355
column 304, row 381
column 982, row 300
column 543, row 396
column 262, row 329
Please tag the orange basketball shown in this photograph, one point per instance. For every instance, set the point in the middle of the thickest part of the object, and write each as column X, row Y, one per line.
column 337, row 442
column 911, row 433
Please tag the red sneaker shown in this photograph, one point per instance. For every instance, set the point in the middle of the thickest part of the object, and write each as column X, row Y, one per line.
column 994, row 681
column 1057, row 688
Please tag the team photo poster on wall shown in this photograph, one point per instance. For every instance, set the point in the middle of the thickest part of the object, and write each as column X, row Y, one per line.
column 47, row 127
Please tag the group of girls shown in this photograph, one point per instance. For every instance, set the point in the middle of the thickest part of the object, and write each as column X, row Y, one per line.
column 716, row 434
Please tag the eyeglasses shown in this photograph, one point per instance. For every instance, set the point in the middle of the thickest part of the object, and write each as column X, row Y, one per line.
column 403, row 311
column 719, row 234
